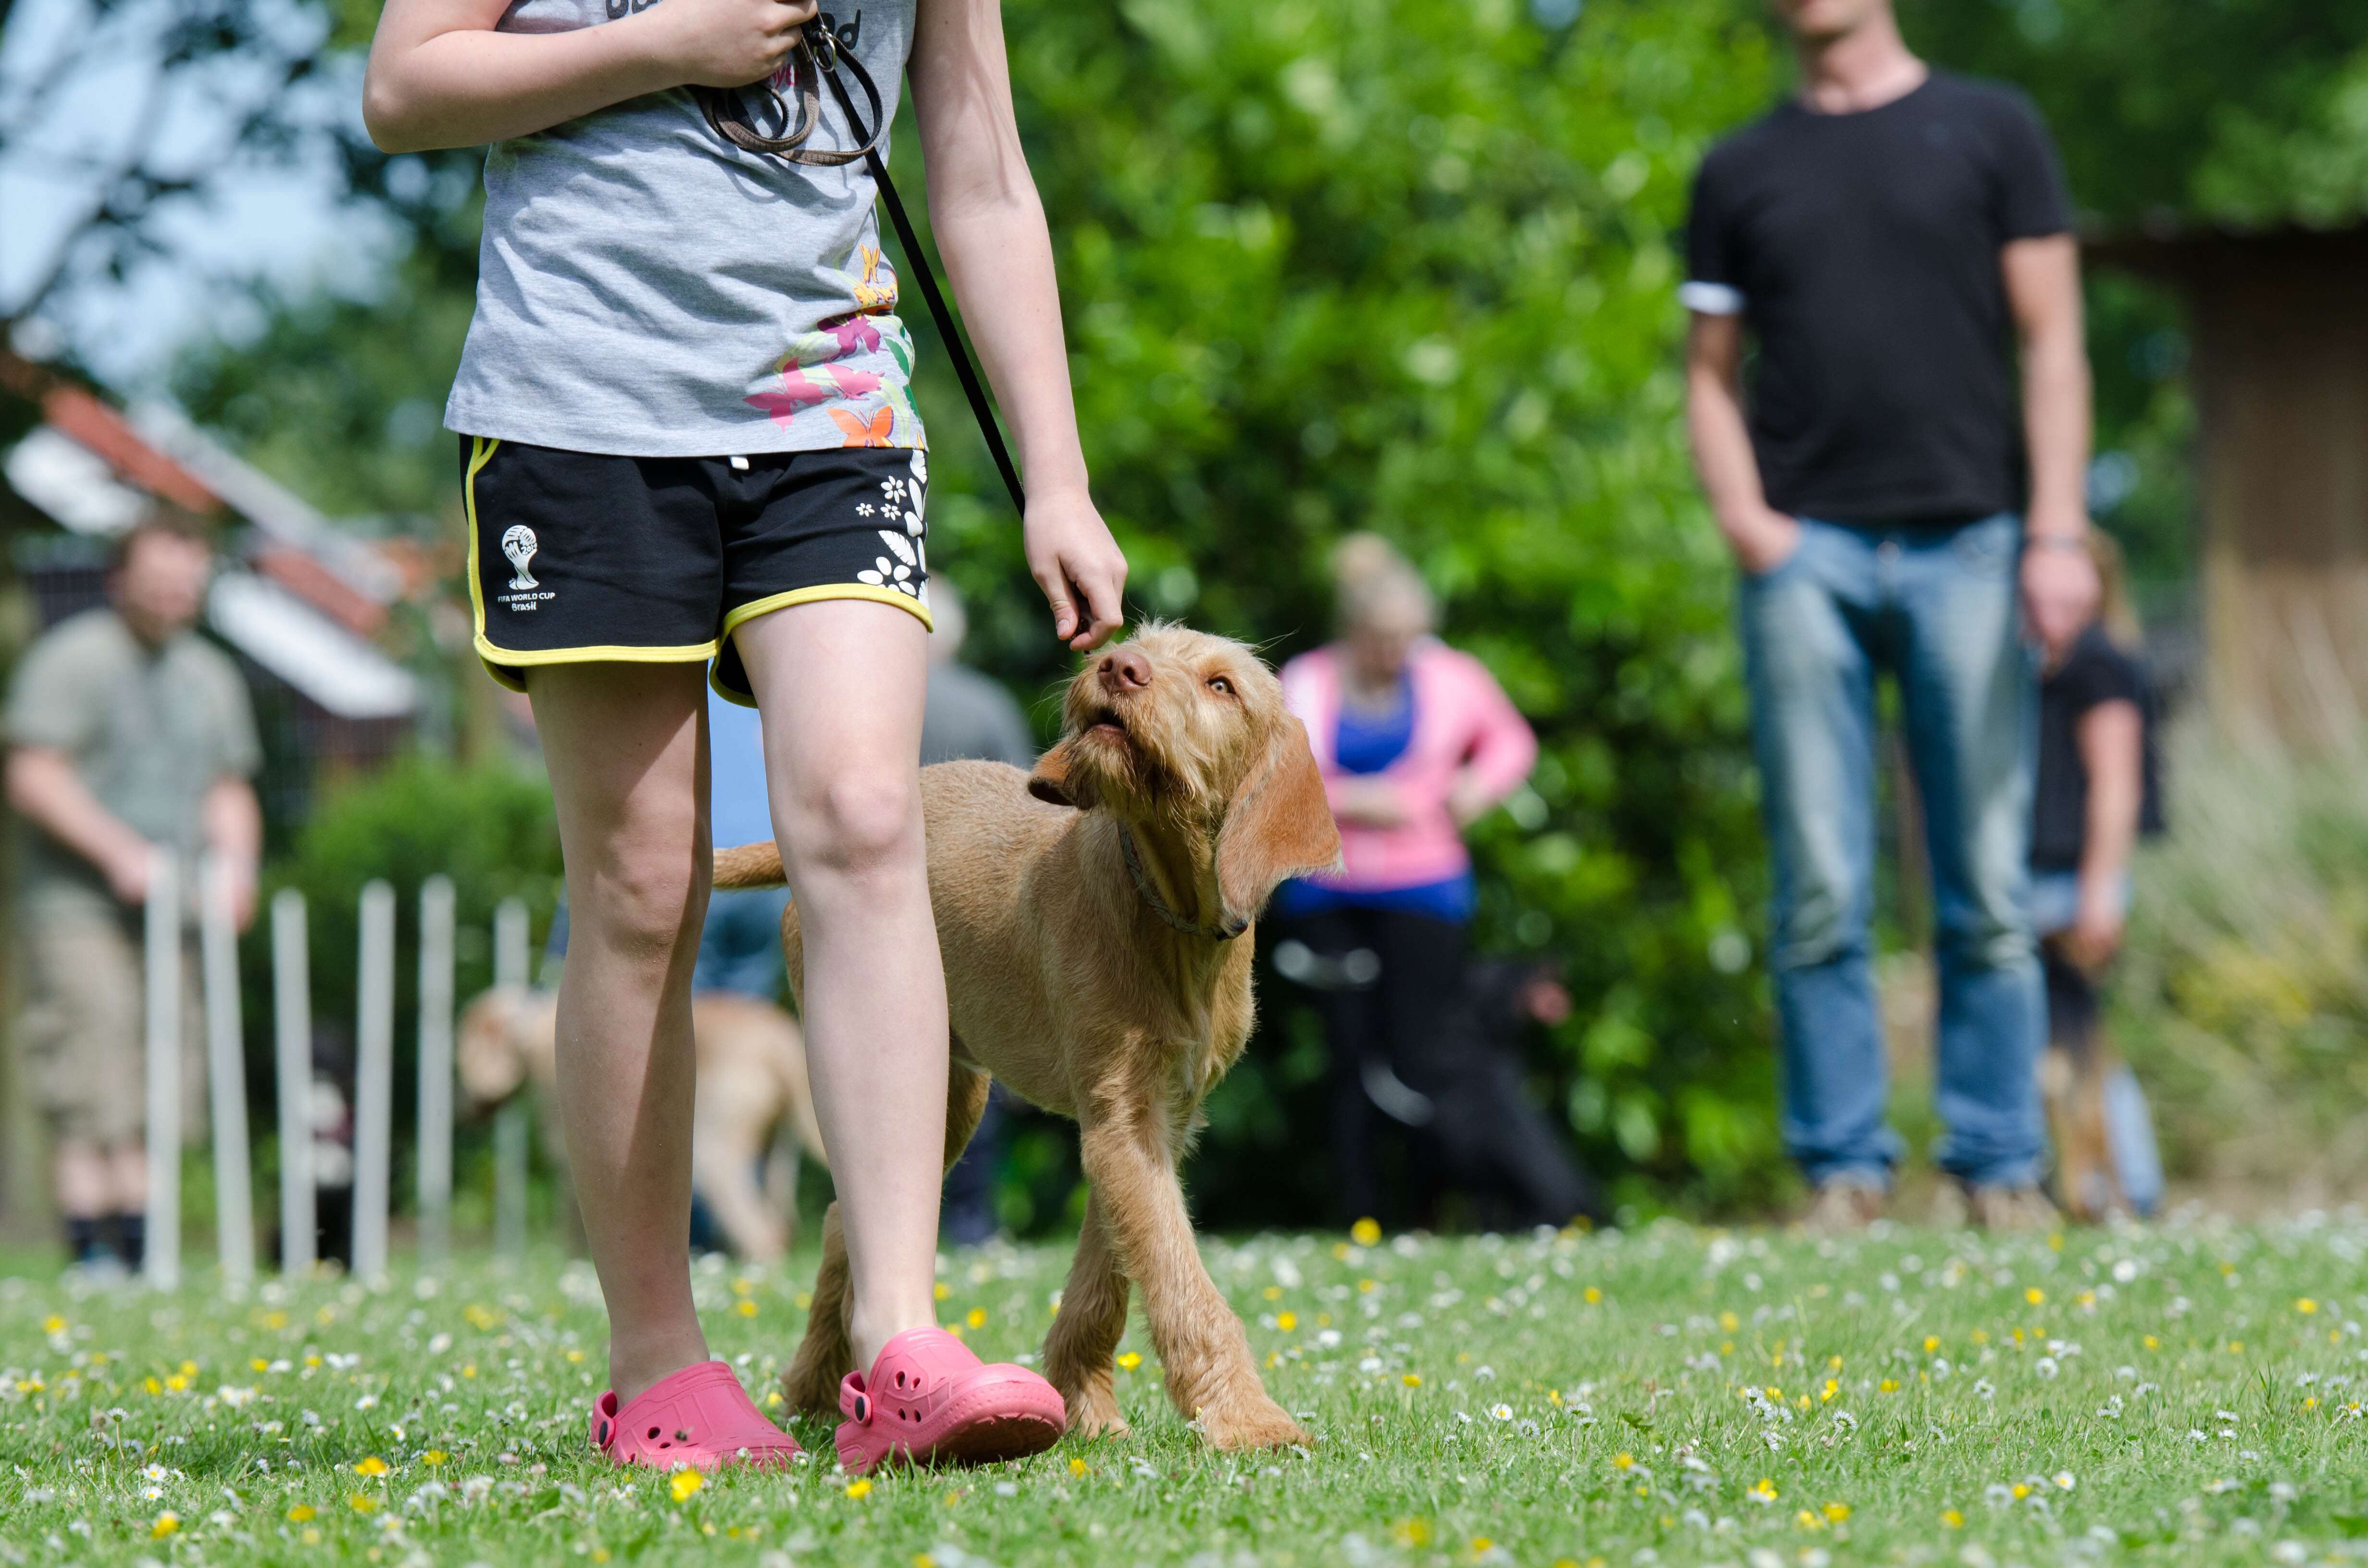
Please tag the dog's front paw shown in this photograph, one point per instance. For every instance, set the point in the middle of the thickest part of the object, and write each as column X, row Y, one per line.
column 1255, row 1423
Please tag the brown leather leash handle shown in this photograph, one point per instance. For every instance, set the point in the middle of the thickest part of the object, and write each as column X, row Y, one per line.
column 726, row 108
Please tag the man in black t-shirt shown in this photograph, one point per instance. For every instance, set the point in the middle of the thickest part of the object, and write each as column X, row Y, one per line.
column 1889, row 238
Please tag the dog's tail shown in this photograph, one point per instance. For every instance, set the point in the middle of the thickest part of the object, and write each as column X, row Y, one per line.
column 749, row 866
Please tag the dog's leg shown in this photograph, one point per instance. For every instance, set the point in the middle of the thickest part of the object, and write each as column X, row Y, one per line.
column 1085, row 1335
column 825, row 1356
column 966, row 1091
column 1201, row 1343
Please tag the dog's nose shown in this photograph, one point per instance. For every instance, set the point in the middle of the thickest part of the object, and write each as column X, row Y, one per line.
column 1124, row 669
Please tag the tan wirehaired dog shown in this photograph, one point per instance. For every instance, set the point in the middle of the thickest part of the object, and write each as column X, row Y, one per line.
column 752, row 1096
column 1095, row 920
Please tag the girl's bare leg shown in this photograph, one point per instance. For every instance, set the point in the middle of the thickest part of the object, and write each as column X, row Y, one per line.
column 841, row 683
column 627, row 746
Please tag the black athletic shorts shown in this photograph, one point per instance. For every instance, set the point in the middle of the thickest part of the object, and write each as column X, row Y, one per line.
column 576, row 558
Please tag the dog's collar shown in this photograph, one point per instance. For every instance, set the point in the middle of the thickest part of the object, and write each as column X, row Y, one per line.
column 1160, row 906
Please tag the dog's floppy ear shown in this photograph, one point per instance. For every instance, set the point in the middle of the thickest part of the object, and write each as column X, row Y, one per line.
column 1279, row 824
column 1059, row 780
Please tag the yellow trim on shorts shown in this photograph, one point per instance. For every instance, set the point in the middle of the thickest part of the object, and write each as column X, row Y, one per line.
column 501, row 663
column 771, row 602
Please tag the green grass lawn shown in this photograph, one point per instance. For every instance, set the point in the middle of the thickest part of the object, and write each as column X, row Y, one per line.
column 1673, row 1395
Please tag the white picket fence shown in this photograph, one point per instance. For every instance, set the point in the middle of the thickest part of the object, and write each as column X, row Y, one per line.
column 373, row 1102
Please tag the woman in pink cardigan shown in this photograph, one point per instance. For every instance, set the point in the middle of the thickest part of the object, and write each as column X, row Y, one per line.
column 1416, row 741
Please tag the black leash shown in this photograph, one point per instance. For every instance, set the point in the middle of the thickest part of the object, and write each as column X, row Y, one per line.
column 821, row 49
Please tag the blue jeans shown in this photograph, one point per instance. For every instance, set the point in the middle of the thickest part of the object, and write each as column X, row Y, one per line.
column 1938, row 608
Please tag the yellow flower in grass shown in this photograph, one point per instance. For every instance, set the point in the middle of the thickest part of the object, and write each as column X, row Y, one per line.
column 1622, row 1461
column 858, row 1487
column 2034, row 1295
column 2151, row 1343
column 1808, row 1521
column 1412, row 1379
column 1888, row 1385
column 1836, row 1512
column 2021, row 1490
column 1932, row 1343
column 1592, row 1294
column 1480, row 1545
column 1366, row 1233
column 1411, row 1532
column 977, row 1318
column 1130, row 1361
column 1286, row 1320
column 300, row 1512
column 941, row 1290
column 363, row 1503
column 1079, row 1468
column 686, row 1484
column 745, row 1307
column 1763, row 1491
column 434, row 1456
column 167, row 1522
column 2305, row 1305
column 1951, row 1519
column 373, row 1465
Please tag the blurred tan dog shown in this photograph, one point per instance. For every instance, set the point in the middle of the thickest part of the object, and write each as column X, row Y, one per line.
column 1094, row 919
column 752, row 1090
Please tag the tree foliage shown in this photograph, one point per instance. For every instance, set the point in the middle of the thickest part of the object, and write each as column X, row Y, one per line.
column 1373, row 264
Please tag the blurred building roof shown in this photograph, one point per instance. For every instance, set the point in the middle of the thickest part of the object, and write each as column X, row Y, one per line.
column 303, row 604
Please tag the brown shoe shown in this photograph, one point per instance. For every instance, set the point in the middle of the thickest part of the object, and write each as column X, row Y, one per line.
column 2009, row 1208
column 1844, row 1204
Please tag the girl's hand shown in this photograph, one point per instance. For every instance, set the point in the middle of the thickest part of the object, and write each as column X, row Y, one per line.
column 723, row 43
column 1468, row 800
column 1076, row 562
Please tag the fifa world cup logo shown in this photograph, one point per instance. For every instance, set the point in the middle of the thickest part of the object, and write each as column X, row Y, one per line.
column 519, row 545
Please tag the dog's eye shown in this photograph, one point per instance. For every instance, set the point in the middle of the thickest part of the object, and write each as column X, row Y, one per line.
column 1220, row 683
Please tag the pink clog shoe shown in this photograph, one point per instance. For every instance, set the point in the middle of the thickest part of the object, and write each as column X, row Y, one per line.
column 929, row 1398
column 700, row 1417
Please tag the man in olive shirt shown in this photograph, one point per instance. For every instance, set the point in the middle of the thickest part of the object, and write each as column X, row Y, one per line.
column 128, row 734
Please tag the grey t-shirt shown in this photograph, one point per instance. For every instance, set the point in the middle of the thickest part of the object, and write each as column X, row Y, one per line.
column 645, row 288
column 149, row 731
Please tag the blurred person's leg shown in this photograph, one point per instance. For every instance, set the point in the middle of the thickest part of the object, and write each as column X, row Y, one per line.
column 1807, row 628
column 1352, row 1034
column 842, row 683
column 1422, row 984
column 1970, row 690
column 82, row 1028
column 627, row 750
column 967, row 1215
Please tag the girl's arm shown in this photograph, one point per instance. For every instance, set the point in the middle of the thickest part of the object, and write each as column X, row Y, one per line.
column 2111, row 740
column 441, row 77
column 1504, row 750
column 990, row 229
